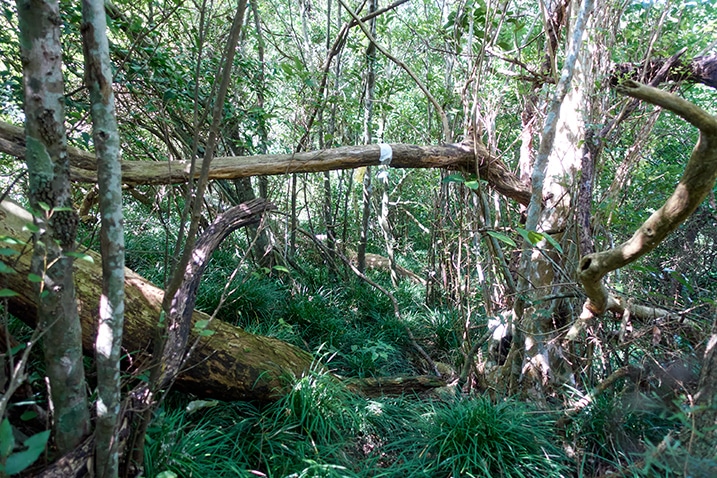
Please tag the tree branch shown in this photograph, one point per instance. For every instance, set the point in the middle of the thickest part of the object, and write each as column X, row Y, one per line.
column 696, row 183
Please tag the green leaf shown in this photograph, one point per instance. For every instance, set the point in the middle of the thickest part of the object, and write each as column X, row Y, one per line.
column 553, row 242
column 502, row 237
column 454, row 178
column 81, row 256
column 7, row 440
column 169, row 94
column 532, row 237
column 35, row 446
column 44, row 206
column 63, row 209
column 6, row 251
column 28, row 415
column 281, row 269
column 201, row 327
column 34, row 278
column 12, row 241
column 31, row 227
column 6, row 269
column 474, row 185
column 505, row 45
column 4, row 293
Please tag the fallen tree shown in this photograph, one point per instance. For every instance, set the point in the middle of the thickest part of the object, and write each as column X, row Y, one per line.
column 227, row 363
column 462, row 157
column 230, row 364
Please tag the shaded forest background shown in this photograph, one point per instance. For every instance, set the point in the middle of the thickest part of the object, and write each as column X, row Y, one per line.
column 430, row 272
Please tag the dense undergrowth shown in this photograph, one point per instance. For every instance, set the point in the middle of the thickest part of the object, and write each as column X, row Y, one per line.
column 320, row 429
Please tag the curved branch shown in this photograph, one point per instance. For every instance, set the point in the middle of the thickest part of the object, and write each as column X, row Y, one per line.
column 696, row 183
column 182, row 303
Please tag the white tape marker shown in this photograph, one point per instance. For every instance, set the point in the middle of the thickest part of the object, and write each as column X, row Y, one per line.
column 386, row 154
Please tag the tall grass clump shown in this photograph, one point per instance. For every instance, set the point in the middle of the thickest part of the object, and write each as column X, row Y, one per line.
column 473, row 437
column 305, row 433
column 318, row 405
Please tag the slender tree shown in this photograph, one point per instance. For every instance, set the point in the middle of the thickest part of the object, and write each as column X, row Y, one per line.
column 111, row 314
column 55, row 219
column 368, row 100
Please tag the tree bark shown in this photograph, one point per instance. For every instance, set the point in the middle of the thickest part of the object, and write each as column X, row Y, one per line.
column 231, row 364
column 532, row 363
column 111, row 311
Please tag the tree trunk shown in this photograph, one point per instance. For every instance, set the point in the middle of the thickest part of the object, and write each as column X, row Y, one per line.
column 231, row 364
column 557, row 164
column 56, row 221
column 450, row 156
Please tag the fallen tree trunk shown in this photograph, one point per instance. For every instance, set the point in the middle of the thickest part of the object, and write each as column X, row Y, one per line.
column 230, row 364
column 462, row 157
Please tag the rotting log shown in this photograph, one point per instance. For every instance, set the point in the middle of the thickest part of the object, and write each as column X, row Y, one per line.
column 231, row 364
column 463, row 157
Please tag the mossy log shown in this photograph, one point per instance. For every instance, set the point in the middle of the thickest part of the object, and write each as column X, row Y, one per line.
column 230, row 364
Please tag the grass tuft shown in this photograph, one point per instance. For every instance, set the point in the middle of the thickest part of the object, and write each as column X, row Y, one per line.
column 477, row 438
